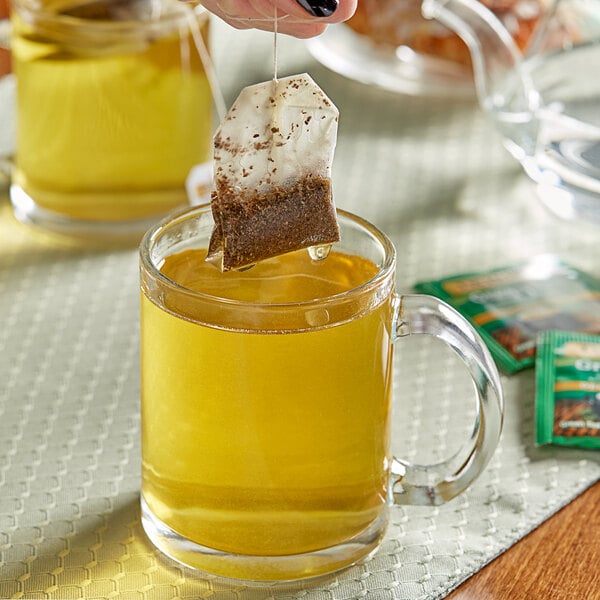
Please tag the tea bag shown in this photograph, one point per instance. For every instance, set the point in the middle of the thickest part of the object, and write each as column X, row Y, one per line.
column 272, row 173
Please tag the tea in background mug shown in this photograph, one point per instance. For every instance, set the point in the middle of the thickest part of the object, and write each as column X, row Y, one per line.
column 266, row 402
column 113, row 110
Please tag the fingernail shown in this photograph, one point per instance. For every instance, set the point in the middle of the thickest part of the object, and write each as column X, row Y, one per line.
column 319, row 8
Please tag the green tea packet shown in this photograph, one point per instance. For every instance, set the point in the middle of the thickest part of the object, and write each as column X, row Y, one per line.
column 567, row 403
column 511, row 306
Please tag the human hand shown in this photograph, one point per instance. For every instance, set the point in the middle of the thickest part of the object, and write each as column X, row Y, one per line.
column 299, row 18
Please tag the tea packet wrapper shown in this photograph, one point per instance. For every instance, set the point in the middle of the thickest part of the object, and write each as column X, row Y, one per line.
column 567, row 403
column 511, row 306
column 272, row 173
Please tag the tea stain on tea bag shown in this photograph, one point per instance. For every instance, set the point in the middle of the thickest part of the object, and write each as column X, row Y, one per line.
column 272, row 170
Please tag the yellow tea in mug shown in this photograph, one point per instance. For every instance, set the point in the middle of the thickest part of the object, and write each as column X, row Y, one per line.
column 114, row 108
column 266, row 402
column 271, row 438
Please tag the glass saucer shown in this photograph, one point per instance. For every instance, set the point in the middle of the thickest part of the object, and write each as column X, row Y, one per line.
column 400, row 70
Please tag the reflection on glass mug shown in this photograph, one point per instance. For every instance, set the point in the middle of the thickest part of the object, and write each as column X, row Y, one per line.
column 266, row 401
column 114, row 109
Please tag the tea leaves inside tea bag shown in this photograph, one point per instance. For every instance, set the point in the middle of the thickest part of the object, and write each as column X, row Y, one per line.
column 272, row 171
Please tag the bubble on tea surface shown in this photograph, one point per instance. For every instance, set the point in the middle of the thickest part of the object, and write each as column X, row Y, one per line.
column 272, row 172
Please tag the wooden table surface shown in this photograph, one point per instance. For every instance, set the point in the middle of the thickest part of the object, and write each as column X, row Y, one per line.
column 558, row 561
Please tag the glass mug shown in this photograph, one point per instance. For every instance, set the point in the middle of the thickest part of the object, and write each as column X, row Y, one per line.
column 266, row 402
column 113, row 110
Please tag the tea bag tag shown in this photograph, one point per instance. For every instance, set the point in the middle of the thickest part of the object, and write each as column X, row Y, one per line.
column 272, row 170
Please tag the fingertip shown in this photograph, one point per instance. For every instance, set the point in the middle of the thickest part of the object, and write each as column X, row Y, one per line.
column 308, row 31
column 346, row 9
column 319, row 8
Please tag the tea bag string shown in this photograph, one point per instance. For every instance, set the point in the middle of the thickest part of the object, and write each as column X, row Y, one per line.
column 207, row 63
column 266, row 19
column 275, row 65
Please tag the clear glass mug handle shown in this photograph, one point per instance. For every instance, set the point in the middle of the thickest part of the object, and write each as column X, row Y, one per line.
column 437, row 483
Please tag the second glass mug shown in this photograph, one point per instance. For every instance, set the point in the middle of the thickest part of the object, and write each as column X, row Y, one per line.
column 266, row 403
column 114, row 108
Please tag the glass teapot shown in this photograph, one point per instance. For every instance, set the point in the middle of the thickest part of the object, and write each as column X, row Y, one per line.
column 544, row 100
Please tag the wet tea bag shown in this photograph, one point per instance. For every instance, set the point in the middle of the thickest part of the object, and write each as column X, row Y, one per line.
column 272, row 173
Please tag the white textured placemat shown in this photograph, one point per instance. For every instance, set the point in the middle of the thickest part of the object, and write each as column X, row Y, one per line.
column 433, row 175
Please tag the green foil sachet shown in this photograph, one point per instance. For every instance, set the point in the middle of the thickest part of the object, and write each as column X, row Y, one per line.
column 567, row 403
column 511, row 306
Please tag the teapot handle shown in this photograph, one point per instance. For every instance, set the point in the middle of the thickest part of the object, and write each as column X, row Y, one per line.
column 494, row 52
